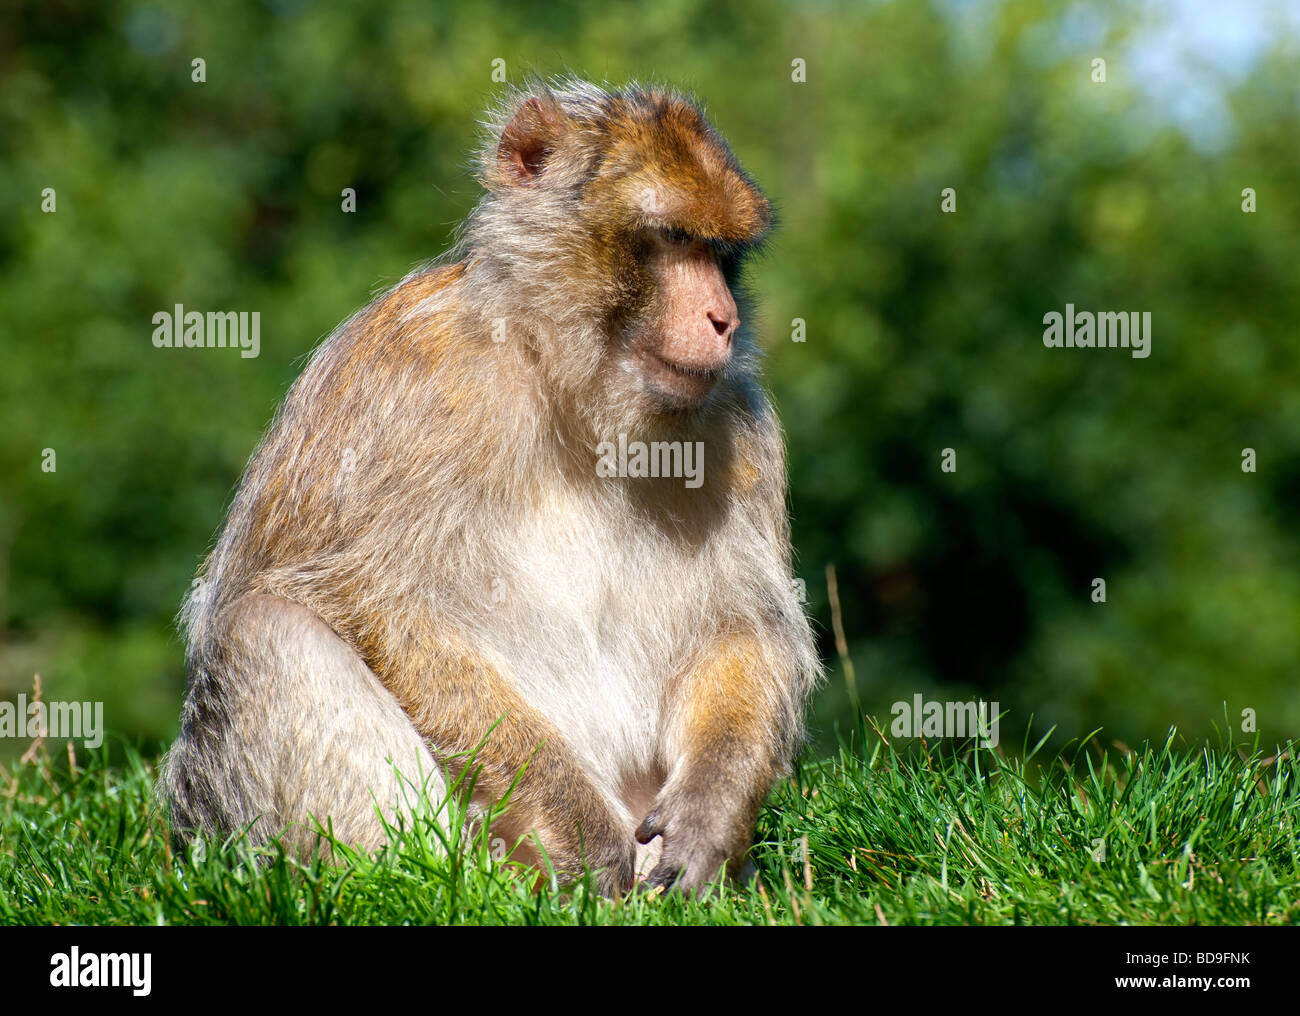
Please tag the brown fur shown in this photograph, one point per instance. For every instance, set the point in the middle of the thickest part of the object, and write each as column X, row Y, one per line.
column 425, row 517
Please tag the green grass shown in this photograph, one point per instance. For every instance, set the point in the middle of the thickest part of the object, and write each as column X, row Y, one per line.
column 1191, row 836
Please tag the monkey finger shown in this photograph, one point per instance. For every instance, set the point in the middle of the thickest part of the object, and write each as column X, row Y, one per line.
column 612, row 885
column 651, row 826
column 663, row 877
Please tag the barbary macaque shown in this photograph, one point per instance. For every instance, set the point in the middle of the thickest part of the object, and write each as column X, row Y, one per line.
column 425, row 546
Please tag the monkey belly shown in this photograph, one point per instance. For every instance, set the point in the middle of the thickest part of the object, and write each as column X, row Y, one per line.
column 285, row 727
column 607, row 707
column 590, row 623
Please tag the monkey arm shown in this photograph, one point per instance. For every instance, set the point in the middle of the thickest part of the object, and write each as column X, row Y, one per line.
column 733, row 729
column 465, row 707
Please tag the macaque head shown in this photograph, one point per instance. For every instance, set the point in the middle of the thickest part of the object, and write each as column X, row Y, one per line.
column 619, row 222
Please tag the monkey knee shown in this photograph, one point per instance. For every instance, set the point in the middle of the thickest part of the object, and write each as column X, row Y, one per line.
column 288, row 732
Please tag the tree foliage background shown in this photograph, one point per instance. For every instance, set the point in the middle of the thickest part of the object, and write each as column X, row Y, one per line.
column 924, row 329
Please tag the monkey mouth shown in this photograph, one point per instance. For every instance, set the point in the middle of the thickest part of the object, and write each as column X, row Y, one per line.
column 684, row 383
column 709, row 374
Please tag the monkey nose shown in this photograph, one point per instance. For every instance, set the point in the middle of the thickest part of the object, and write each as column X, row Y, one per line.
column 723, row 324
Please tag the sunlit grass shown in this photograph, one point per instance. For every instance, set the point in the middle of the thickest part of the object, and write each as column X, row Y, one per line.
column 1164, row 834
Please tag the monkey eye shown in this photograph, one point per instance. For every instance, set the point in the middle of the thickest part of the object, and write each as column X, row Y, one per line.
column 678, row 236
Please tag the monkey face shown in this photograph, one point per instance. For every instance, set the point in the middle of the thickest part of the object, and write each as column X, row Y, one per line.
column 630, row 211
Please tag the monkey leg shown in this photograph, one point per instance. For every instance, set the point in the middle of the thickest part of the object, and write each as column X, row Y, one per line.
column 285, row 727
column 731, row 733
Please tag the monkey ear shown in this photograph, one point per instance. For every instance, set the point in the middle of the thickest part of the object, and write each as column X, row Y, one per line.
column 527, row 142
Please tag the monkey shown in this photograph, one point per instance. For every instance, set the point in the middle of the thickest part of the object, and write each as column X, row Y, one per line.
column 443, row 549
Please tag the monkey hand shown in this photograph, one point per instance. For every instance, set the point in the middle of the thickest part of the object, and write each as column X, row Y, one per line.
column 699, row 840
column 596, row 843
column 614, row 863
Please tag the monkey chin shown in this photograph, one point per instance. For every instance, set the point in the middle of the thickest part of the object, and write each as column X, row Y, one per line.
column 675, row 387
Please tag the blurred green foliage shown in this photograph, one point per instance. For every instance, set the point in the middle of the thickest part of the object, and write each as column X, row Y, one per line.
column 923, row 328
